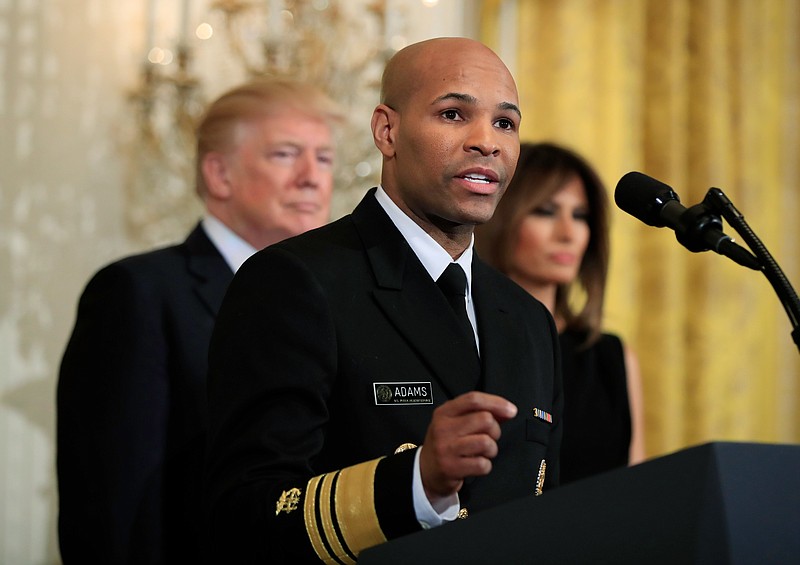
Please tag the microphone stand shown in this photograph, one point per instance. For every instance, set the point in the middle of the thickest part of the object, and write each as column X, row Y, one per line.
column 717, row 201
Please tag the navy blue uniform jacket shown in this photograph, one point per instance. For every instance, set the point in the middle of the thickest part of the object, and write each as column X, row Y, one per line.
column 302, row 464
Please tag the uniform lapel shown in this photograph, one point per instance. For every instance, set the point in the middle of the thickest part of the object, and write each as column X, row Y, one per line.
column 499, row 330
column 413, row 303
column 211, row 273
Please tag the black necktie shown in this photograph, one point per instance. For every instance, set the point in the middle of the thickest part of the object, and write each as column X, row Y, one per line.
column 453, row 283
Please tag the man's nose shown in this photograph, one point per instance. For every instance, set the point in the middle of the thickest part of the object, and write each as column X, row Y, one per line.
column 483, row 138
column 309, row 170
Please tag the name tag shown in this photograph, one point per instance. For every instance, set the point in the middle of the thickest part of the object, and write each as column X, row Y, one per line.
column 390, row 394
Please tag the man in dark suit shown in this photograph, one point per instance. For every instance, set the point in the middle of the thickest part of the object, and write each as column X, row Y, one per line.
column 132, row 407
column 326, row 378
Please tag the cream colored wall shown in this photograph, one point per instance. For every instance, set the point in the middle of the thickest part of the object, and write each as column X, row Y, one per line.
column 63, row 71
column 65, row 67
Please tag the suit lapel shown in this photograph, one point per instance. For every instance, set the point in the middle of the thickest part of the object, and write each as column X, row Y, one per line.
column 413, row 303
column 206, row 265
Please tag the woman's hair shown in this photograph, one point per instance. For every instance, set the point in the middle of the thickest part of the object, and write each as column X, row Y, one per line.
column 218, row 127
column 542, row 170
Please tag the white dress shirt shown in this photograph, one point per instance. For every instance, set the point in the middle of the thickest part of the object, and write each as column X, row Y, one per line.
column 233, row 248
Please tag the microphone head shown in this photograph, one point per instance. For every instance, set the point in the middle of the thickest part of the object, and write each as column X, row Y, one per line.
column 644, row 197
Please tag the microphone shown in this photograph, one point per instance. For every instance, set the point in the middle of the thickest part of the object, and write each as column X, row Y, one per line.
column 696, row 228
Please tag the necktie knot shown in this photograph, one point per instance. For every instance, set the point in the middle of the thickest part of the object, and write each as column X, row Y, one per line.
column 453, row 281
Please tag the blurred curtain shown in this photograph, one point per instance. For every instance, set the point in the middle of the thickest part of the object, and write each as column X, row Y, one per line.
column 696, row 93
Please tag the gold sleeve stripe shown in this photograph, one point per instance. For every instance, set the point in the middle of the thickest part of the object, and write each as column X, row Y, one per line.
column 355, row 507
column 312, row 528
column 340, row 516
column 329, row 520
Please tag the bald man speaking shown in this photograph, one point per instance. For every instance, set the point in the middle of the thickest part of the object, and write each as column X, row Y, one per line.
column 374, row 377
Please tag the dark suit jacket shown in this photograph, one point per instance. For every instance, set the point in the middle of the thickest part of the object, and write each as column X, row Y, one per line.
column 309, row 329
column 131, row 403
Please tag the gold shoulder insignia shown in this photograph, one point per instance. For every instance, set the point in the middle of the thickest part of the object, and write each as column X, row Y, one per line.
column 288, row 501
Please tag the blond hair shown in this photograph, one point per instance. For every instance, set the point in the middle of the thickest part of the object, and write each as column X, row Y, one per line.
column 216, row 130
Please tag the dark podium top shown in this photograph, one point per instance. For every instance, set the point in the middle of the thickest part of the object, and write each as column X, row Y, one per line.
column 716, row 503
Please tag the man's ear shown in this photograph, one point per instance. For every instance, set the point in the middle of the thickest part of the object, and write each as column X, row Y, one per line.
column 384, row 124
column 216, row 174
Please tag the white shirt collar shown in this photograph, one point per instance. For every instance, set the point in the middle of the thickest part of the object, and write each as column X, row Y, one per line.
column 233, row 248
column 432, row 255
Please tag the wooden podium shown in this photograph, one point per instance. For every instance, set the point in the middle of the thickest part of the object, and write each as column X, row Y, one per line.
column 717, row 503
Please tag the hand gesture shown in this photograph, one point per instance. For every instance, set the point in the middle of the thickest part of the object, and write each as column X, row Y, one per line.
column 461, row 441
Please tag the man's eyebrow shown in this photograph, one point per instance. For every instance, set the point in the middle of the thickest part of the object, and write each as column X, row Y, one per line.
column 511, row 107
column 469, row 99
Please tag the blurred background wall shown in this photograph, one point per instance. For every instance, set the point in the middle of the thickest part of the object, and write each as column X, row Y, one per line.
column 697, row 93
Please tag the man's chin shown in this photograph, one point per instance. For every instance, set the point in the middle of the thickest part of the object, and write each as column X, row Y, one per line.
column 305, row 224
column 479, row 214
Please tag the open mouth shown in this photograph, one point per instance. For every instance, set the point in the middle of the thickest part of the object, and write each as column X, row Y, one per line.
column 479, row 179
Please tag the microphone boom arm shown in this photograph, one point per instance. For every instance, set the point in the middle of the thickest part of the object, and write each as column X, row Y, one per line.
column 717, row 201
